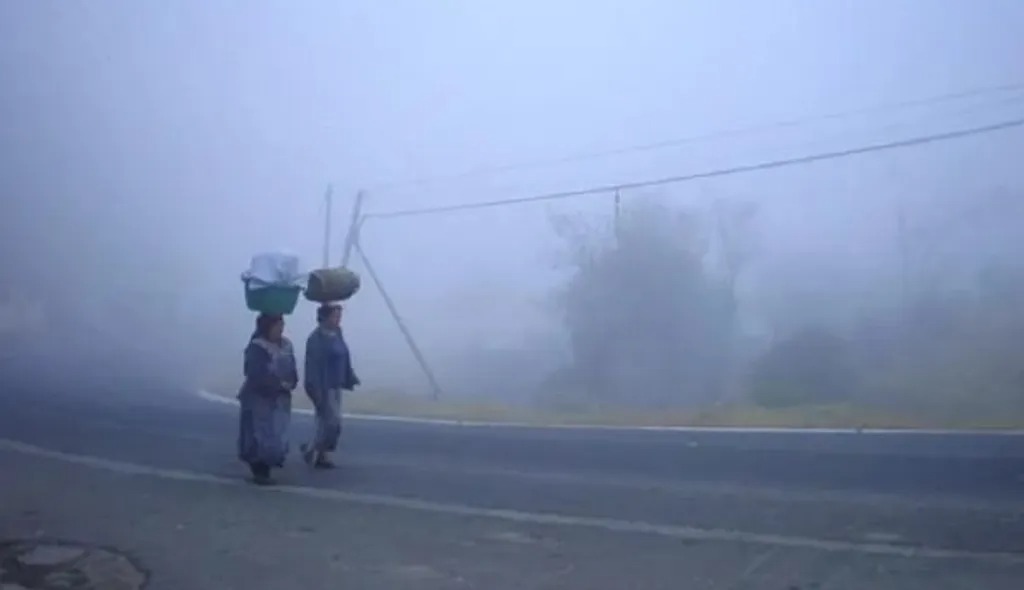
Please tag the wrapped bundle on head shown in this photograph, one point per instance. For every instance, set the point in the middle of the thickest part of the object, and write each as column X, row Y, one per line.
column 328, row 285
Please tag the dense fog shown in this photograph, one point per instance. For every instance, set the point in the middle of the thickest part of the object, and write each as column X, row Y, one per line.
column 150, row 149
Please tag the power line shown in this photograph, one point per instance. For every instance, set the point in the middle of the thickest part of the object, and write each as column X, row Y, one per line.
column 818, row 157
column 734, row 132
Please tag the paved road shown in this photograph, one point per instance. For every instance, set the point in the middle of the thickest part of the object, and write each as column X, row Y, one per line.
column 943, row 497
column 204, row 536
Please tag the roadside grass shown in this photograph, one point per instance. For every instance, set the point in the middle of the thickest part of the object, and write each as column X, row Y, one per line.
column 740, row 415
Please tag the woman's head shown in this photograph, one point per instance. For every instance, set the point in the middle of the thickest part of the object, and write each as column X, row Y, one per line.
column 328, row 315
column 269, row 326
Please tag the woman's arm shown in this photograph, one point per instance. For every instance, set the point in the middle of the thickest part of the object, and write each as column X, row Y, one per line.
column 313, row 373
column 292, row 377
column 351, row 379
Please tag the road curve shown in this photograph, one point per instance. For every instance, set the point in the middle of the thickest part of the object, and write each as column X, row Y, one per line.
column 960, row 493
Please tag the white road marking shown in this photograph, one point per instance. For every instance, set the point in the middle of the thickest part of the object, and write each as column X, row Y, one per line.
column 755, row 564
column 220, row 399
column 547, row 519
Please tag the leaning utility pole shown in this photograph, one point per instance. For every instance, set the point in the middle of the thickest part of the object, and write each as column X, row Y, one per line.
column 903, row 243
column 435, row 388
column 617, row 215
column 354, row 245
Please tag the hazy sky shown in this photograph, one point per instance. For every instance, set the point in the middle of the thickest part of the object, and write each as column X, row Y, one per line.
column 212, row 127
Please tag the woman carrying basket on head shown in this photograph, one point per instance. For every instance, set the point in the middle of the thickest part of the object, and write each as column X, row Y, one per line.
column 265, row 398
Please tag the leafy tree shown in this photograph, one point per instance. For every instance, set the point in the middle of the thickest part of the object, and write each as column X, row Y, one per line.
column 946, row 335
column 647, row 323
column 811, row 366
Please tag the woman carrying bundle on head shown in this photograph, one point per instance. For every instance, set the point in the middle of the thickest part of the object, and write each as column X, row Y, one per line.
column 328, row 371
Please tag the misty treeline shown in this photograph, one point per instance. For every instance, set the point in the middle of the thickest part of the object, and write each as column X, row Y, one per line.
column 663, row 306
column 656, row 314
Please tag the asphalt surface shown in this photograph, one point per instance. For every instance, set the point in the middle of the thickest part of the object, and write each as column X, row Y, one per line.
column 221, row 537
column 873, row 494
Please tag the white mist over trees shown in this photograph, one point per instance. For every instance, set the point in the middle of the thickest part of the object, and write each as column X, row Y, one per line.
column 653, row 316
column 150, row 149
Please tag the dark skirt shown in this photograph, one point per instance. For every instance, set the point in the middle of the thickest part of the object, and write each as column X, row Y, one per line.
column 263, row 429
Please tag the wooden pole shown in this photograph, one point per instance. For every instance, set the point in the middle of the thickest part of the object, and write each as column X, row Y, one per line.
column 354, row 224
column 328, row 214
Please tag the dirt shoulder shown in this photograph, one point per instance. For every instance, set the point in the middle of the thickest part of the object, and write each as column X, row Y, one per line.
column 843, row 416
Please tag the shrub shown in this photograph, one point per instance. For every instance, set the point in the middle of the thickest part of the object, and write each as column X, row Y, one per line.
column 812, row 366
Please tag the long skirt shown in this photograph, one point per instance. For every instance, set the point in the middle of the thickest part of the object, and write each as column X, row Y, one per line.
column 263, row 429
column 328, row 421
